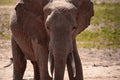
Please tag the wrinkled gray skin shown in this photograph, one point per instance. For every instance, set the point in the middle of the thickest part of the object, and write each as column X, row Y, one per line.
column 49, row 27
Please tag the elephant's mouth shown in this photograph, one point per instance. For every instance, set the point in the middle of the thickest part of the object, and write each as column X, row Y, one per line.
column 51, row 61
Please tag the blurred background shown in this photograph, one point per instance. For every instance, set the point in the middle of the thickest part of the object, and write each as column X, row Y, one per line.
column 104, row 31
column 98, row 45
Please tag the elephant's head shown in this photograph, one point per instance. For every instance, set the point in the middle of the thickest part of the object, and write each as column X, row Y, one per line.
column 65, row 19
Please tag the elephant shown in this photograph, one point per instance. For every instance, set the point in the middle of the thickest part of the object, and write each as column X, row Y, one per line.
column 44, row 32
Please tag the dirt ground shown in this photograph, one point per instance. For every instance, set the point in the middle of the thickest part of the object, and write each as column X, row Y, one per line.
column 98, row 64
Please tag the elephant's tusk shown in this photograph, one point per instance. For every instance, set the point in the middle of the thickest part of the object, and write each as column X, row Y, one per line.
column 73, row 65
column 49, row 65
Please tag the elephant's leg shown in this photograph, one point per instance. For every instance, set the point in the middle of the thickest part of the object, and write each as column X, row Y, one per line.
column 79, row 71
column 43, row 61
column 36, row 70
column 41, row 53
column 19, row 61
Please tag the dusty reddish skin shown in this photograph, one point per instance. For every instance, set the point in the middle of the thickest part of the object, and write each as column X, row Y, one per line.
column 33, row 36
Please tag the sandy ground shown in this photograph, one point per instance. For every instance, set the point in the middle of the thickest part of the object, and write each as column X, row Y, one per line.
column 98, row 64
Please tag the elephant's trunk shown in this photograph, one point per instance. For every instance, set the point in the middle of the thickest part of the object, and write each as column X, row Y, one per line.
column 59, row 63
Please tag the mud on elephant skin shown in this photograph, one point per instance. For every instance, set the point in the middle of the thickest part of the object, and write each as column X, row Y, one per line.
column 44, row 31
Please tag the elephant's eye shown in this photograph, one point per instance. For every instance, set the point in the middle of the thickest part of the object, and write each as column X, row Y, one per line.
column 74, row 29
column 48, row 28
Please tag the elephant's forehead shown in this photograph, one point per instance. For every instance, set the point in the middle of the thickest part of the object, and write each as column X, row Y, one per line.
column 61, row 4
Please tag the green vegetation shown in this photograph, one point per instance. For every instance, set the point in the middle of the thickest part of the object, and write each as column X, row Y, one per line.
column 4, row 23
column 104, row 38
column 107, row 13
column 7, row 2
column 109, row 34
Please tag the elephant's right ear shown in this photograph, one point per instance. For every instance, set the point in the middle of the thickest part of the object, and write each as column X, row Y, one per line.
column 85, row 12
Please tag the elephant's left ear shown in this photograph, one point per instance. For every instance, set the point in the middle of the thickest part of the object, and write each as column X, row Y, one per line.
column 85, row 12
